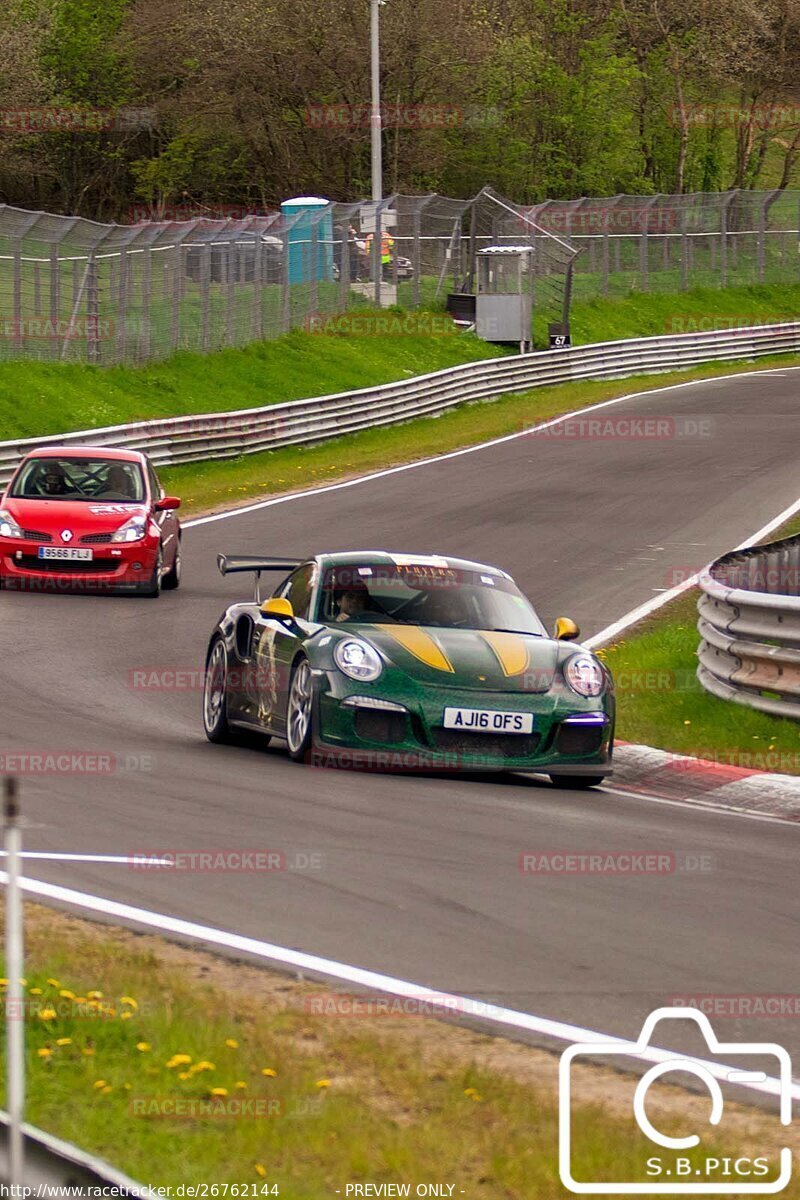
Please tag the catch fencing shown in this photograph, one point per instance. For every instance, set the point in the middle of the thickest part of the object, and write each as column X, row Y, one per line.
column 750, row 628
column 72, row 290
column 301, row 422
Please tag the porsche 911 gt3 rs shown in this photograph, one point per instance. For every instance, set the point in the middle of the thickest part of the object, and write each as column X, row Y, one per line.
column 378, row 659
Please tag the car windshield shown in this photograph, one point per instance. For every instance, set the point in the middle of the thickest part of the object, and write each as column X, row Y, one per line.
column 417, row 593
column 66, row 478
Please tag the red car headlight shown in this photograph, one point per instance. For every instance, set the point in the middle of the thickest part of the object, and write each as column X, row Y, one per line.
column 8, row 526
column 132, row 531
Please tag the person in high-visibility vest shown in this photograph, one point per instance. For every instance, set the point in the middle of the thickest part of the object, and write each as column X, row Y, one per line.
column 387, row 248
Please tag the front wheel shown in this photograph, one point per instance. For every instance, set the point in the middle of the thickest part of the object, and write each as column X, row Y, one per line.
column 215, row 695
column 172, row 579
column 153, row 587
column 299, row 710
column 577, row 783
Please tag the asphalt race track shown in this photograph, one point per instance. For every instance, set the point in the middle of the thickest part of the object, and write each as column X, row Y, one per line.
column 418, row 876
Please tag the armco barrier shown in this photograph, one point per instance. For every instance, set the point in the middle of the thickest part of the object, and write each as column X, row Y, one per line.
column 231, row 434
column 51, row 1164
column 750, row 628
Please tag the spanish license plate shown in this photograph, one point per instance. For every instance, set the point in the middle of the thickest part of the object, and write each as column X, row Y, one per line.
column 66, row 554
column 483, row 720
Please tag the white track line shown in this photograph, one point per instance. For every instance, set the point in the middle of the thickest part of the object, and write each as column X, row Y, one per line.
column 387, row 984
column 424, row 462
column 649, row 606
column 57, row 856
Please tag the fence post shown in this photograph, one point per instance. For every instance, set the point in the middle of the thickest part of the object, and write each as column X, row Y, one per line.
column 177, row 289
column 231, row 256
column 122, row 299
column 684, row 250
column 147, row 296
column 286, row 292
column 205, row 295
column 762, row 238
column 92, row 312
column 313, row 291
column 258, row 288
column 15, row 1013
column 18, row 340
column 342, row 231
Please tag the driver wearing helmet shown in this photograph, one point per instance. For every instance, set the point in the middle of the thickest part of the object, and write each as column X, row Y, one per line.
column 118, row 480
column 52, row 480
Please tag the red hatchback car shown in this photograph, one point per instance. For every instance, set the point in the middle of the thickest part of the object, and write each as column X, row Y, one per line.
column 90, row 519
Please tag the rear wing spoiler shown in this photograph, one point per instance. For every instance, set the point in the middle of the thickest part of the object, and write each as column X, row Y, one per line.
column 235, row 563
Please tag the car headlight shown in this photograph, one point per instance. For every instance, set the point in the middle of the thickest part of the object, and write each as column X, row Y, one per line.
column 585, row 675
column 131, row 531
column 357, row 660
column 8, row 526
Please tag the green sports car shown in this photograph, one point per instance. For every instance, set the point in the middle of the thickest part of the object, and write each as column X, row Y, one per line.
column 377, row 660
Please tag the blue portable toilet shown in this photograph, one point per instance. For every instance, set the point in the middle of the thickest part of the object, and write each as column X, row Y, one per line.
column 304, row 212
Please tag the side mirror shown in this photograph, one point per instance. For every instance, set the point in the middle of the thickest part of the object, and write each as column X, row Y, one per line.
column 566, row 630
column 278, row 609
column 167, row 504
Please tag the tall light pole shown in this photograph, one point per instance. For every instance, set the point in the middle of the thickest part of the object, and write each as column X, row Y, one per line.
column 375, row 112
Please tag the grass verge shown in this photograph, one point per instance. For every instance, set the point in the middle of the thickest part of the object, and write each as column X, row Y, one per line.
column 182, row 1068
column 217, row 484
column 661, row 703
column 40, row 398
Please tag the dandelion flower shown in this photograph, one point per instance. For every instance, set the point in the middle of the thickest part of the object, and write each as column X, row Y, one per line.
column 260, row 1169
column 126, row 1016
column 128, row 1000
column 35, row 991
column 94, row 995
column 143, row 1046
column 219, row 1091
column 44, row 1052
column 184, row 1075
column 178, row 1060
column 47, row 1014
column 99, row 1083
column 88, row 1051
column 54, row 983
column 66, row 994
column 231, row 1043
column 104, row 1091
column 63, row 1041
column 268, row 1071
column 321, row 1083
column 240, row 1083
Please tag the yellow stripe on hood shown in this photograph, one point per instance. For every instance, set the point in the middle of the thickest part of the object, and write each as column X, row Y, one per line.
column 419, row 643
column 509, row 650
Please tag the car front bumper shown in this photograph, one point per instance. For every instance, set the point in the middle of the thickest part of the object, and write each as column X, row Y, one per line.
column 127, row 567
column 571, row 735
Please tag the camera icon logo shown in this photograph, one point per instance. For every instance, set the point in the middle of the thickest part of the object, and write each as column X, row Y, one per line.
column 674, row 1171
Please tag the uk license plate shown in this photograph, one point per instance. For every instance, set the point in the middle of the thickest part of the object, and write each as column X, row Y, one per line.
column 65, row 554
column 485, row 720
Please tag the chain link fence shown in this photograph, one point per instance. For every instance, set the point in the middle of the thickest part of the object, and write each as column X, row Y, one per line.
column 76, row 291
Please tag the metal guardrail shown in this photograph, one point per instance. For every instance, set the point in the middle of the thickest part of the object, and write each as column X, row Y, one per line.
column 53, row 1163
column 750, row 628
column 296, row 422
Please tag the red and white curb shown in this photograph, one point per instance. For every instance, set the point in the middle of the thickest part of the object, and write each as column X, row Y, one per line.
column 671, row 776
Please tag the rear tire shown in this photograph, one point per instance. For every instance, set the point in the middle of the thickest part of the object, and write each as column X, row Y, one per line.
column 300, row 710
column 172, row 579
column 576, row 783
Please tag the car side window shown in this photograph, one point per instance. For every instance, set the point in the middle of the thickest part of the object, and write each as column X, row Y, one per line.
column 297, row 590
column 155, row 486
